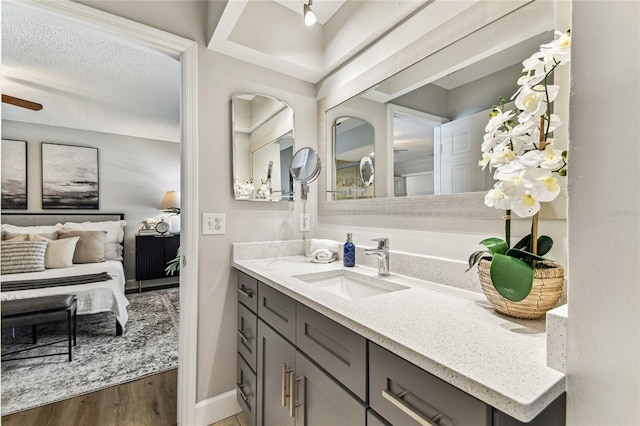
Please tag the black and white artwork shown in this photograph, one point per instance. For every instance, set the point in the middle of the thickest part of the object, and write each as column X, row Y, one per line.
column 14, row 174
column 70, row 177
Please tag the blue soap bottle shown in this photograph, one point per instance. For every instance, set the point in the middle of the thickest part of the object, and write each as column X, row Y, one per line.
column 349, row 258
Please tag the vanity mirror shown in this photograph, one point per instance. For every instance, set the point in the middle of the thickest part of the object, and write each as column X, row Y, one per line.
column 428, row 116
column 305, row 168
column 263, row 144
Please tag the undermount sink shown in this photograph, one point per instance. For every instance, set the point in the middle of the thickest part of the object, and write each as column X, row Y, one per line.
column 350, row 285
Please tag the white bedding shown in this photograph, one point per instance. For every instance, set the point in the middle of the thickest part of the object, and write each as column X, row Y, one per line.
column 106, row 296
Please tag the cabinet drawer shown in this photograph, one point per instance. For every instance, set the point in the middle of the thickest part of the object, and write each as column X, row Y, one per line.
column 278, row 310
column 247, row 332
column 340, row 351
column 246, row 389
column 248, row 291
column 404, row 394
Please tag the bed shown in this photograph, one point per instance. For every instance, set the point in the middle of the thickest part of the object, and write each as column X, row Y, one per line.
column 105, row 295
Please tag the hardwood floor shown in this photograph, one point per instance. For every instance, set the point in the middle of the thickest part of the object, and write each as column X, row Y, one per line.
column 148, row 401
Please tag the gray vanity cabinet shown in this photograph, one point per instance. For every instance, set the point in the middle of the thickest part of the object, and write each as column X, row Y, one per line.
column 322, row 401
column 246, row 389
column 248, row 291
column 247, row 332
column 276, row 362
column 335, row 348
column 278, row 310
column 293, row 390
column 406, row 395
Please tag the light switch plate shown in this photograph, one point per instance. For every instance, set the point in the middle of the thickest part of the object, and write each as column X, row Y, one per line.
column 213, row 223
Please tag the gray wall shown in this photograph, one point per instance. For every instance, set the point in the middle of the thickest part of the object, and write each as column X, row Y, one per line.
column 603, row 341
column 134, row 173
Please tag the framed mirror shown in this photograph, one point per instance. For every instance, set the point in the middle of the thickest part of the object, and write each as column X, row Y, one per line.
column 429, row 113
column 263, row 144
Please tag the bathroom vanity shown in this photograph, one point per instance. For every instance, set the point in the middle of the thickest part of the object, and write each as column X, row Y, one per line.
column 319, row 345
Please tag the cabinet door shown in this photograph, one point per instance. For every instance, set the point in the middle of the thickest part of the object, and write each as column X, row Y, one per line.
column 404, row 394
column 246, row 388
column 247, row 332
column 278, row 310
column 276, row 360
column 152, row 255
column 335, row 348
column 321, row 401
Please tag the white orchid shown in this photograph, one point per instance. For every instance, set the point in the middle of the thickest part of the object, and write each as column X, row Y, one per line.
column 518, row 145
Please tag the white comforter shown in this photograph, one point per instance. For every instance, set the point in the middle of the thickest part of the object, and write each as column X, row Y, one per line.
column 92, row 298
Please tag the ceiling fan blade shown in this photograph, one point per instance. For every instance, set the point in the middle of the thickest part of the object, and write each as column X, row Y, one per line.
column 21, row 103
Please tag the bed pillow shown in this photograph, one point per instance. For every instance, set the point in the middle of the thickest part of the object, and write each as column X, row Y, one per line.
column 42, row 229
column 22, row 256
column 90, row 247
column 113, row 239
column 47, row 235
column 59, row 253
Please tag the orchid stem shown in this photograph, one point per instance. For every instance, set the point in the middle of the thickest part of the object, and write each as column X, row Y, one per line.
column 507, row 228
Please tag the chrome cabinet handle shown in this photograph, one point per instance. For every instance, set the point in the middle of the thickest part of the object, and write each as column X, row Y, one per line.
column 244, row 396
column 243, row 336
column 285, row 371
column 245, row 292
column 399, row 403
column 292, row 393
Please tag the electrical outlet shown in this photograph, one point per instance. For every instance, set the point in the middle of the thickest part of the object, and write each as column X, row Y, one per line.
column 213, row 223
column 305, row 225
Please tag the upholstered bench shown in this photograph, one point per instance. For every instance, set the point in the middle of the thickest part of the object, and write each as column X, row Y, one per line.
column 40, row 310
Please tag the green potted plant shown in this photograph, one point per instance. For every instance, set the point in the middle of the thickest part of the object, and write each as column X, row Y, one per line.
column 518, row 145
column 174, row 264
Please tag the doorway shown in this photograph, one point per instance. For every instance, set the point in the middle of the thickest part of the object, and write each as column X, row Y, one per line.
column 69, row 13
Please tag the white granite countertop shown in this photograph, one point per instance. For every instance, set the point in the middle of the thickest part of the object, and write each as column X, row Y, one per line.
column 453, row 334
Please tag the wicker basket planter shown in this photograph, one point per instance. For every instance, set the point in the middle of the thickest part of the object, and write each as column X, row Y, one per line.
column 546, row 290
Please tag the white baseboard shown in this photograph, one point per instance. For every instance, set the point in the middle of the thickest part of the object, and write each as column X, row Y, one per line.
column 217, row 408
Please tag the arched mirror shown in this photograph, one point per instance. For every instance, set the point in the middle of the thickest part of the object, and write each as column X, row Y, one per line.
column 353, row 139
column 305, row 168
column 263, row 145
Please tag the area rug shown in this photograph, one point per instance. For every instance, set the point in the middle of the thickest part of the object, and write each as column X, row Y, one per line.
column 101, row 359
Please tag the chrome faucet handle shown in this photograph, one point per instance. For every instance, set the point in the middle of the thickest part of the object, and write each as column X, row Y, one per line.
column 383, row 243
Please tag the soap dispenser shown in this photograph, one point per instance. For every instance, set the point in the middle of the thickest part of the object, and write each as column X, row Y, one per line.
column 349, row 258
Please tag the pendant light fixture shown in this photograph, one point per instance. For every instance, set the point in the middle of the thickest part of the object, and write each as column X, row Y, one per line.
column 309, row 17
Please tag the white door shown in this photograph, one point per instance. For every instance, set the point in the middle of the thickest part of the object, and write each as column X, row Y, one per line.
column 457, row 153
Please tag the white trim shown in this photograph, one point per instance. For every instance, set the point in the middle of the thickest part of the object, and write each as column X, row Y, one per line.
column 217, row 408
column 187, row 51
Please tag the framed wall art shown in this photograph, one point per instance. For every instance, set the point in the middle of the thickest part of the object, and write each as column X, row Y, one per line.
column 14, row 174
column 70, row 177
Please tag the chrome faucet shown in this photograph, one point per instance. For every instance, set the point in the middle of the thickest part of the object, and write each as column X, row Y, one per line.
column 382, row 252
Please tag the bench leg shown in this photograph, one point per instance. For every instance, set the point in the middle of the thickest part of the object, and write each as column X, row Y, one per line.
column 75, row 326
column 69, row 324
column 118, row 329
column 34, row 334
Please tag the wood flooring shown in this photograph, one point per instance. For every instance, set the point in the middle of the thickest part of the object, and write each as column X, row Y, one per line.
column 149, row 401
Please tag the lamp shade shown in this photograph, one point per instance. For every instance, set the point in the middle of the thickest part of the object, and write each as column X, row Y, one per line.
column 170, row 199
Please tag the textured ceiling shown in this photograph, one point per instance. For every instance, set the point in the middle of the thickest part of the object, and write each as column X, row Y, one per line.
column 87, row 81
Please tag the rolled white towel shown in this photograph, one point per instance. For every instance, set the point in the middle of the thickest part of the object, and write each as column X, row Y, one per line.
column 323, row 256
column 331, row 245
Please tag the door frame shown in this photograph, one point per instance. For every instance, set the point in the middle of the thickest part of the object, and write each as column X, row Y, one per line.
column 78, row 15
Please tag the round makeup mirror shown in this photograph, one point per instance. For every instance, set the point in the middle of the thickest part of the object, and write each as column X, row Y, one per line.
column 366, row 171
column 305, row 168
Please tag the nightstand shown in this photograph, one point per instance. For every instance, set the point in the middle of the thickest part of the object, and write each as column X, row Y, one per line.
column 152, row 254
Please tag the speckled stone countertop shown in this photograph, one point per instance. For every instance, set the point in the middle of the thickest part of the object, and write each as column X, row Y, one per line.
column 452, row 333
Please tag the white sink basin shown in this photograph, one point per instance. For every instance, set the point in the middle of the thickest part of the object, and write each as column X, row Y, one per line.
column 350, row 285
